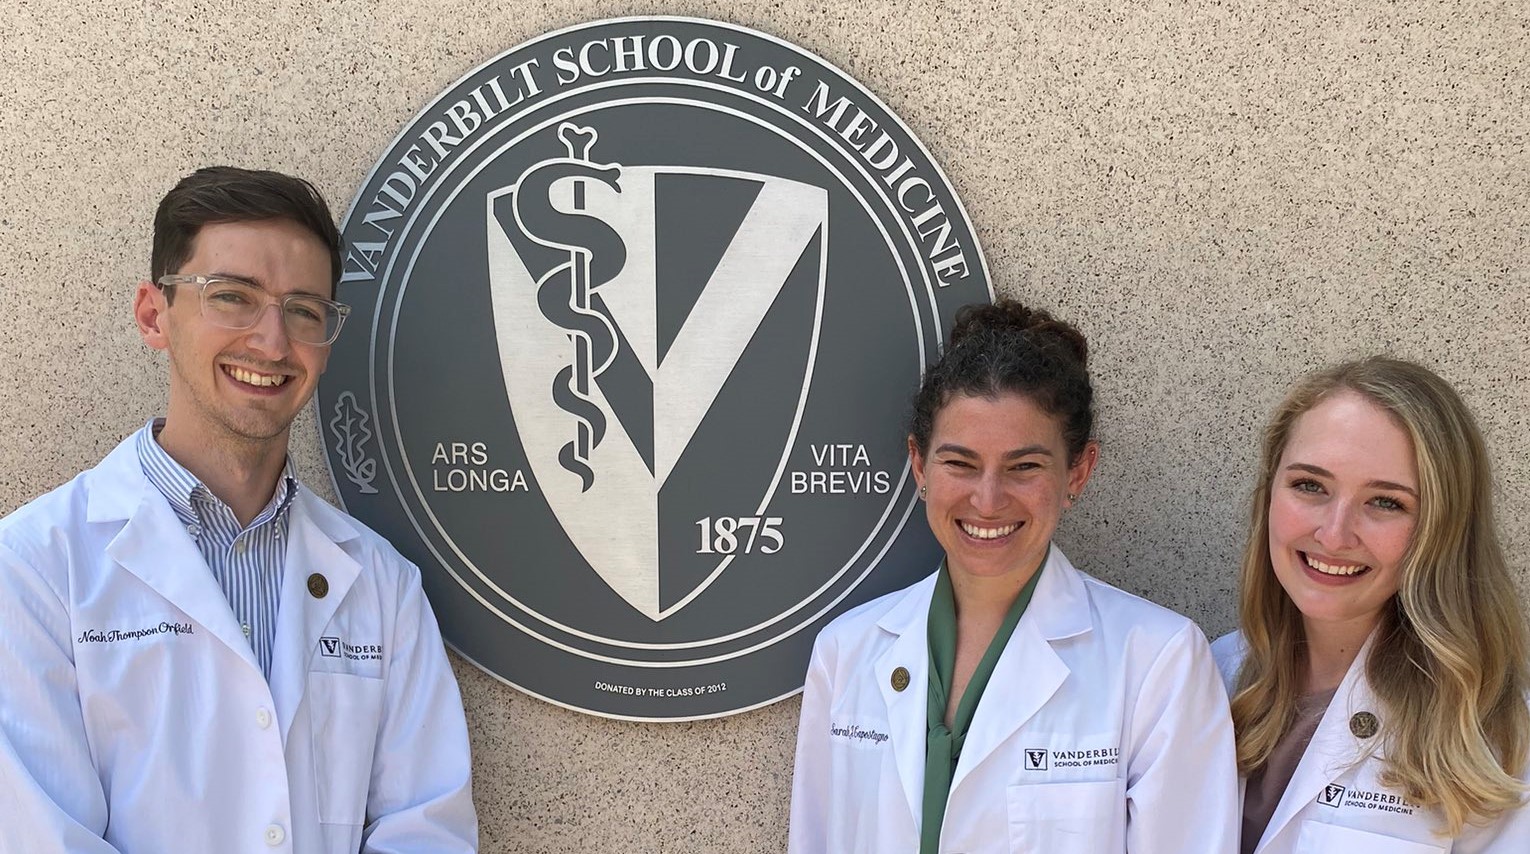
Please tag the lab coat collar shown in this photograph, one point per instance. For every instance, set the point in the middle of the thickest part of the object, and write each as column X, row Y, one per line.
column 114, row 488
column 1028, row 671
column 1060, row 606
column 908, row 710
column 315, row 532
column 1025, row 677
column 155, row 546
column 1333, row 747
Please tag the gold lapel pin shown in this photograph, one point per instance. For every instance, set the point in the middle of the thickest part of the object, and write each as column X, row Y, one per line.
column 318, row 585
column 900, row 678
column 1364, row 724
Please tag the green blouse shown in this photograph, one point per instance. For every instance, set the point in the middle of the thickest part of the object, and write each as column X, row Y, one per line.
column 943, row 747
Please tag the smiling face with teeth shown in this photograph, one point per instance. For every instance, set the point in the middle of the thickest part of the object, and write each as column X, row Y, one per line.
column 1343, row 506
column 996, row 479
column 241, row 386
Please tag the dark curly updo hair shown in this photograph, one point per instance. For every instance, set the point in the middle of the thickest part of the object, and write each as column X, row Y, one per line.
column 1006, row 348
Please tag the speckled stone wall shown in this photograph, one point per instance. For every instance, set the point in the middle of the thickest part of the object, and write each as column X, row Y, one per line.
column 1220, row 194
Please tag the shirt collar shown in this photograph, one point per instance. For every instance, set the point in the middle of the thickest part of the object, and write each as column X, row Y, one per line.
column 184, row 490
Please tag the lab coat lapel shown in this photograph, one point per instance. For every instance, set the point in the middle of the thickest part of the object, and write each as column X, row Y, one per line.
column 908, row 710
column 154, row 546
column 1028, row 671
column 313, row 533
column 1332, row 750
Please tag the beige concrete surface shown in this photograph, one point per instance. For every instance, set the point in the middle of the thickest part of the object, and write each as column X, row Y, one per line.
column 1220, row 194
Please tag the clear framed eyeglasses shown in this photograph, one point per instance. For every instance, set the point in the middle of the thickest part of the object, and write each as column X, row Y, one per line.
column 233, row 304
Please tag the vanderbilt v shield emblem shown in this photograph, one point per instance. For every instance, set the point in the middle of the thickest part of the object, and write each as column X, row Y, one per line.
column 608, row 394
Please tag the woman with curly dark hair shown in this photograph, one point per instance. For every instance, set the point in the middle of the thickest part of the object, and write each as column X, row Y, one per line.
column 1009, row 702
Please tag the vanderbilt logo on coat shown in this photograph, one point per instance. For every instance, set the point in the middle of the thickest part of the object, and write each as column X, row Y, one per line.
column 1039, row 759
column 1335, row 795
column 334, row 647
column 687, row 274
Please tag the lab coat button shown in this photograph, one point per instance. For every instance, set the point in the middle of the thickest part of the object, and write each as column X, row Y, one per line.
column 262, row 718
column 275, row 835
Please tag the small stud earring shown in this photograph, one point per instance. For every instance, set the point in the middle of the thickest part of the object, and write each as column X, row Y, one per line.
column 922, row 491
column 1072, row 496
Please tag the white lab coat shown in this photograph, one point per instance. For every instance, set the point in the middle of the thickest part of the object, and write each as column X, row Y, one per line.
column 134, row 717
column 1104, row 729
column 1335, row 804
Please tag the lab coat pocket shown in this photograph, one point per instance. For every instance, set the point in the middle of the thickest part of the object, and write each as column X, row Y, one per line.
column 1320, row 838
column 344, row 709
column 1063, row 818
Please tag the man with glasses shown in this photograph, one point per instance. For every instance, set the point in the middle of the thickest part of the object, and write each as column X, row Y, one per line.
column 196, row 653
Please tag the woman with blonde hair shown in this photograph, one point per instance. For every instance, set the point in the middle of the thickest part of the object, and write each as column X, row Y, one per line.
column 1379, row 680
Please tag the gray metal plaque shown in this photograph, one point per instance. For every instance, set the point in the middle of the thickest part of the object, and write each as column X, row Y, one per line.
column 639, row 308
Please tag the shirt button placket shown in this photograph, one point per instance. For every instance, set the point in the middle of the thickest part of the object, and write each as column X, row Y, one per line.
column 275, row 835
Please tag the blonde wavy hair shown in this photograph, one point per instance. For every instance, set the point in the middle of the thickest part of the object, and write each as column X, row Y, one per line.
column 1449, row 661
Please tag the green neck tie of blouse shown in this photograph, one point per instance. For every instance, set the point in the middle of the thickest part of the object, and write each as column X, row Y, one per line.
column 943, row 746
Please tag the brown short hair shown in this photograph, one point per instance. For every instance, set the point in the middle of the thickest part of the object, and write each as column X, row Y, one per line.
column 217, row 194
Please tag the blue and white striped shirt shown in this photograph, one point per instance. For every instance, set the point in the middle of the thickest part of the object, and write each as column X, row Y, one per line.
column 248, row 562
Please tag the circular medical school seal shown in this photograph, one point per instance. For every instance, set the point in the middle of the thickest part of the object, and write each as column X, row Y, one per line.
column 640, row 307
